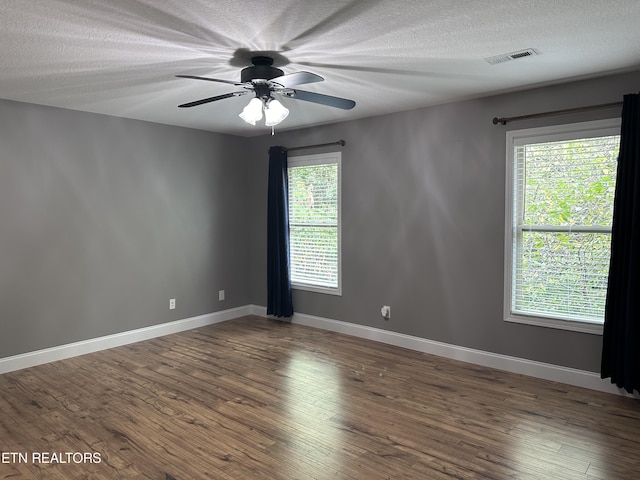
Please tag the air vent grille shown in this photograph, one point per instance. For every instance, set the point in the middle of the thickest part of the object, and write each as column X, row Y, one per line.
column 507, row 57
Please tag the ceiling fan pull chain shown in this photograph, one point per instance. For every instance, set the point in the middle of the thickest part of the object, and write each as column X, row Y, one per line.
column 273, row 130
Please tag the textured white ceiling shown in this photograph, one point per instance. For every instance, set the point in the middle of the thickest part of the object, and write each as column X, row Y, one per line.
column 120, row 57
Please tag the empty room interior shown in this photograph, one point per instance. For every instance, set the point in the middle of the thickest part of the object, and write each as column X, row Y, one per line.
column 318, row 240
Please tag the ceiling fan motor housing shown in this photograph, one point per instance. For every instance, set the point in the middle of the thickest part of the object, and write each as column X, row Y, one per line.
column 261, row 69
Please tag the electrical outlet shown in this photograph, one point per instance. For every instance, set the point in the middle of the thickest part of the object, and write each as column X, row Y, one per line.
column 172, row 304
column 385, row 311
column 220, row 295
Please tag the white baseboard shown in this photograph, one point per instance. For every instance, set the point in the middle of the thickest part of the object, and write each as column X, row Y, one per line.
column 546, row 371
column 39, row 357
column 570, row 376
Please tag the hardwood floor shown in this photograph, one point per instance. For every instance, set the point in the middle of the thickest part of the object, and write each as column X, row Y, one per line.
column 255, row 399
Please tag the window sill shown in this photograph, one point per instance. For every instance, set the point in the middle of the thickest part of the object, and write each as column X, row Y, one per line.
column 572, row 325
column 312, row 288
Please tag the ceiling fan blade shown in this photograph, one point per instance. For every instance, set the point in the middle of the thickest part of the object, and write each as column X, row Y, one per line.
column 297, row 78
column 194, row 77
column 337, row 102
column 213, row 99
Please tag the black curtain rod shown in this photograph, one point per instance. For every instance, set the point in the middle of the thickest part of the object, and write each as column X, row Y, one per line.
column 304, row 147
column 504, row 120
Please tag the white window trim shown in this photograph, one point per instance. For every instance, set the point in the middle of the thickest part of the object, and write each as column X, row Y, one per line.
column 519, row 137
column 320, row 159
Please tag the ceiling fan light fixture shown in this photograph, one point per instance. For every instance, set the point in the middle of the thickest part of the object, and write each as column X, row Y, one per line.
column 264, row 81
column 274, row 113
column 252, row 112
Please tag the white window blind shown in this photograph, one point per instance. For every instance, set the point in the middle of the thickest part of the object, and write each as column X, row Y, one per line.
column 314, row 222
column 562, row 206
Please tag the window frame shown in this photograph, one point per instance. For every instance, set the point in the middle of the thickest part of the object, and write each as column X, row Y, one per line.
column 322, row 159
column 597, row 128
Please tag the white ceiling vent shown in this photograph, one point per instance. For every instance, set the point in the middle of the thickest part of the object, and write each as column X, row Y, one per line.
column 507, row 57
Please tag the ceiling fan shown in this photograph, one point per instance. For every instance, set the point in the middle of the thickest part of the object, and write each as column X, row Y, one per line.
column 265, row 80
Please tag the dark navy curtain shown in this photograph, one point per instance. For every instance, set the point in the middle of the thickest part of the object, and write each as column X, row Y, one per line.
column 621, row 339
column 279, row 302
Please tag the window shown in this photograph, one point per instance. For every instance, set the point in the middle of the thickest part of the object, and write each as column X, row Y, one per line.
column 314, row 222
column 560, row 189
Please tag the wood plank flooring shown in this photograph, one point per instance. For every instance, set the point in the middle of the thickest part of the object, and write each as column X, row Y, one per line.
column 256, row 399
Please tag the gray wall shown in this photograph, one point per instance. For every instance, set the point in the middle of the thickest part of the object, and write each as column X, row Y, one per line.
column 103, row 219
column 423, row 221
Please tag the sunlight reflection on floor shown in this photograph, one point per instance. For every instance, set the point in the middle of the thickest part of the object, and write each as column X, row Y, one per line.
column 547, row 448
column 314, row 390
